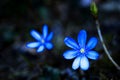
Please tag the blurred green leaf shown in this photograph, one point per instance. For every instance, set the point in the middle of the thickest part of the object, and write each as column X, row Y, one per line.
column 94, row 9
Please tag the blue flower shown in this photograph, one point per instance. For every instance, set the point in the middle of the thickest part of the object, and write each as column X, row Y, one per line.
column 81, row 52
column 42, row 41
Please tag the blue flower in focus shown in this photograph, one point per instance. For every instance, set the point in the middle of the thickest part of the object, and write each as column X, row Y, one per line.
column 42, row 41
column 81, row 52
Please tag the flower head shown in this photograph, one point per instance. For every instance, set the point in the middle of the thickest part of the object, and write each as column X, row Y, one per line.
column 42, row 41
column 80, row 51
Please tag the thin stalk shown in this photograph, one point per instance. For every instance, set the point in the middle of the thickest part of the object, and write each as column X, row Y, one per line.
column 104, row 46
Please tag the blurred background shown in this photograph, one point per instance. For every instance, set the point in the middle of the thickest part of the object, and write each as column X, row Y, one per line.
column 64, row 18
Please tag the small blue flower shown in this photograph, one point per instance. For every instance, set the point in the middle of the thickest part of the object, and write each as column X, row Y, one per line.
column 42, row 41
column 81, row 52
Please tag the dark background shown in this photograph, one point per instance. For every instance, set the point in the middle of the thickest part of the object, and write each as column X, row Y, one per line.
column 64, row 18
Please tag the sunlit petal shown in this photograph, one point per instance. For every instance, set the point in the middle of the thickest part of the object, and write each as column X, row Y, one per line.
column 45, row 31
column 91, row 43
column 76, row 63
column 50, row 36
column 35, row 35
column 49, row 45
column 84, row 63
column 70, row 54
column 82, row 36
column 40, row 49
column 92, row 55
column 71, row 43
column 32, row 44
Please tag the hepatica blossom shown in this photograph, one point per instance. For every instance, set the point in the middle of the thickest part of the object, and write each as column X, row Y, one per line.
column 42, row 41
column 81, row 51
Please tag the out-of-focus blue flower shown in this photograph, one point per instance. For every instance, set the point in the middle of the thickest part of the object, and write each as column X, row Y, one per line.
column 42, row 41
column 85, row 3
column 81, row 52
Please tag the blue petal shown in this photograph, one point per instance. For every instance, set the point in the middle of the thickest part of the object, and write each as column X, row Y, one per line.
column 84, row 63
column 71, row 43
column 36, row 35
column 50, row 36
column 49, row 45
column 70, row 54
column 91, row 43
column 82, row 36
column 40, row 49
column 32, row 44
column 92, row 55
column 76, row 63
column 45, row 31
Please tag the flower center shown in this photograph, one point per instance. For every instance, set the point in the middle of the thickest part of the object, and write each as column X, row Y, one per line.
column 82, row 50
column 42, row 41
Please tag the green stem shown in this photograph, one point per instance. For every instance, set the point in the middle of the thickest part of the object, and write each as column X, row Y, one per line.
column 104, row 46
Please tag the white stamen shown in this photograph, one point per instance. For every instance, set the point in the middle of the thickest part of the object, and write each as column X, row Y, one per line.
column 42, row 41
column 82, row 50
